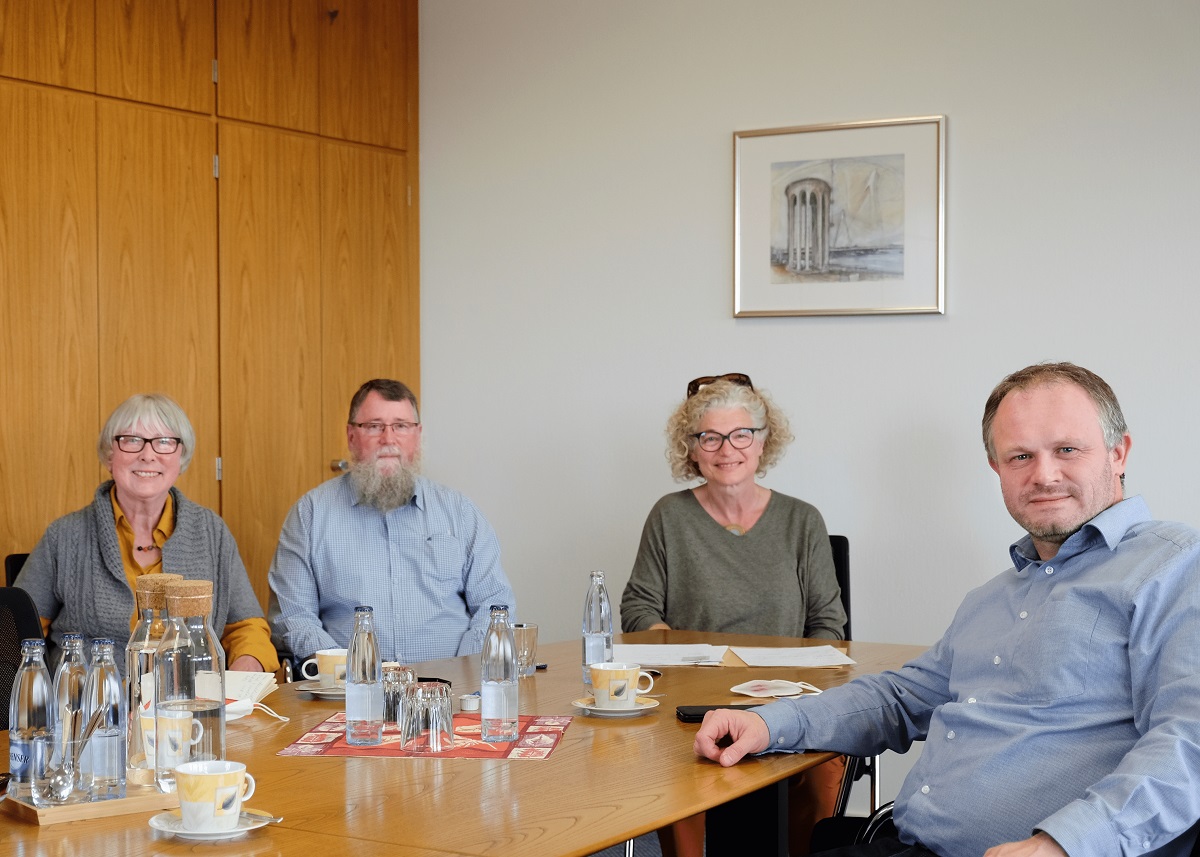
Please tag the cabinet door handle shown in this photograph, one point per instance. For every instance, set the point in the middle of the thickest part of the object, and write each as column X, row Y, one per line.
column 339, row 465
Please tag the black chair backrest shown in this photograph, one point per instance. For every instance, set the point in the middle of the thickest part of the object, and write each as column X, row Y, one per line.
column 12, row 567
column 18, row 621
column 840, row 545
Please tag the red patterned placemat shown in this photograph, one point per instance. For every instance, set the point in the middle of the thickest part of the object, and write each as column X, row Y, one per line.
column 538, row 737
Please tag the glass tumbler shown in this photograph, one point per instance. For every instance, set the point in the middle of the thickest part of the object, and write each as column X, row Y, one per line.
column 428, row 718
column 395, row 679
column 525, row 636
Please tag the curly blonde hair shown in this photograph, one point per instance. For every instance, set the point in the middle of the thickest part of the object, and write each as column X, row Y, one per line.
column 685, row 422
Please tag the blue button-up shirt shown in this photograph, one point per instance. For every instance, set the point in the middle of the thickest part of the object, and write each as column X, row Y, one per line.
column 430, row 569
column 1065, row 697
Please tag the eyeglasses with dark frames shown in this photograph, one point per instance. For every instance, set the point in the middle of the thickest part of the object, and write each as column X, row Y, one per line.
column 133, row 443
column 739, row 438
column 738, row 378
column 375, row 429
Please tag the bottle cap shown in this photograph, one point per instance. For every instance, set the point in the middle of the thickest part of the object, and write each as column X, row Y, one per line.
column 151, row 590
column 189, row 597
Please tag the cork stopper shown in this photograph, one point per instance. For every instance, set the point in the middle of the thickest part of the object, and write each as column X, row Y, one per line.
column 189, row 597
column 151, row 590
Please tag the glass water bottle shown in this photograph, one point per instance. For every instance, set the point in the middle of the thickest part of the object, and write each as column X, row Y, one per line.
column 364, row 682
column 151, row 594
column 499, row 679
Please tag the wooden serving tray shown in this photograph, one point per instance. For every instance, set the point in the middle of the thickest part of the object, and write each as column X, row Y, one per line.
column 137, row 799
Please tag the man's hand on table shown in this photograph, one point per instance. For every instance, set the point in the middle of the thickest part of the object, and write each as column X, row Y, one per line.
column 747, row 730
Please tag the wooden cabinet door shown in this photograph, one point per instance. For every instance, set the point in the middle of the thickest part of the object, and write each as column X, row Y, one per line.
column 48, row 41
column 267, row 62
column 158, row 271
column 156, row 52
column 48, row 464
column 369, row 72
column 270, row 334
column 370, row 322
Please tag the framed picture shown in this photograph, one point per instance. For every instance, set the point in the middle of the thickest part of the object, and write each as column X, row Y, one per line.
column 840, row 219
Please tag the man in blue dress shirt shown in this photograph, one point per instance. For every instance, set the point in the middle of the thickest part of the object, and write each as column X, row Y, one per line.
column 419, row 553
column 1061, row 709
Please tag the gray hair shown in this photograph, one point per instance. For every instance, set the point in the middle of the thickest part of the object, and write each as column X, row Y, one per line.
column 151, row 410
column 391, row 391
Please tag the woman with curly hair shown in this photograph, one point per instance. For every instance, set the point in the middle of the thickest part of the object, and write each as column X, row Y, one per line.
column 733, row 556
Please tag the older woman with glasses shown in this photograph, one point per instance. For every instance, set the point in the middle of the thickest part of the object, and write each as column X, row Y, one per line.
column 730, row 555
column 81, row 574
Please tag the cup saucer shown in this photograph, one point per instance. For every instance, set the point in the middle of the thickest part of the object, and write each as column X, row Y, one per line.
column 588, row 705
column 172, row 822
column 314, row 686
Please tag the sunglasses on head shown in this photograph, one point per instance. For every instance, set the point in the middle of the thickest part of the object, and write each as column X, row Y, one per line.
column 738, row 378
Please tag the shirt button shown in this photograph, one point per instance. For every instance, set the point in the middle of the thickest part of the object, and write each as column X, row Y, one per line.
column 1049, row 569
column 924, row 790
column 996, row 660
column 1024, row 614
column 950, row 735
column 779, row 740
column 971, row 699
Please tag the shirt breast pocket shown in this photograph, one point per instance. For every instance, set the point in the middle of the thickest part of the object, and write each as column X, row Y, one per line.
column 1053, row 659
column 446, row 555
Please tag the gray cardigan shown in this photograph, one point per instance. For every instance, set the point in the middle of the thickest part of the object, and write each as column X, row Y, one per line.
column 76, row 578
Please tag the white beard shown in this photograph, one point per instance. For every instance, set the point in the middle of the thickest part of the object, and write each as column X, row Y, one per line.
column 385, row 489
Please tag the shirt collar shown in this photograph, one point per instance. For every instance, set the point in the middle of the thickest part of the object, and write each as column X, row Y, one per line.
column 1110, row 526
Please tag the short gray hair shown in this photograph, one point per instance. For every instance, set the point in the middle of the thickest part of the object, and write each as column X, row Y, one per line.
column 149, row 410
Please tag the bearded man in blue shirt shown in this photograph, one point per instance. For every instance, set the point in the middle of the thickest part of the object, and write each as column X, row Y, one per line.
column 1060, row 710
column 421, row 554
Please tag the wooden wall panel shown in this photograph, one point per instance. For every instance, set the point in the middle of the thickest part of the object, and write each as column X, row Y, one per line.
column 367, row 49
column 48, row 41
column 48, row 431
column 270, row 334
column 158, row 271
column 371, row 309
column 267, row 55
column 158, row 52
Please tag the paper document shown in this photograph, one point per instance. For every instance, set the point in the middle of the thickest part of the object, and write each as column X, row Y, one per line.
column 695, row 654
column 803, row 656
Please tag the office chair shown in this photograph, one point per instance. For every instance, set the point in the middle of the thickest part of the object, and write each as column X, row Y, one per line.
column 857, row 767
column 18, row 621
column 12, row 567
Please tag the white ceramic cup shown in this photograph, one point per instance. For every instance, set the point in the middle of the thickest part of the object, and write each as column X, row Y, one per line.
column 211, row 794
column 617, row 685
column 330, row 666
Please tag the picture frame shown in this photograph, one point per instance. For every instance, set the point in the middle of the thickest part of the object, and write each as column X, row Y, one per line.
column 843, row 218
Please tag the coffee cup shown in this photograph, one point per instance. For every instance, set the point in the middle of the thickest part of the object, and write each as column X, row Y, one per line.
column 617, row 685
column 211, row 794
column 330, row 666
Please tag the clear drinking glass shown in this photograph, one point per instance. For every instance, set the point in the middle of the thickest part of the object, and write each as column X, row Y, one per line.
column 525, row 635
column 428, row 718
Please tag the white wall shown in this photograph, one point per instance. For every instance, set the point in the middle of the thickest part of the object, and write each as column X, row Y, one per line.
column 577, row 211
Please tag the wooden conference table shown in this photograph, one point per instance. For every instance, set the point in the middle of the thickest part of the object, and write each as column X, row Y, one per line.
column 607, row 781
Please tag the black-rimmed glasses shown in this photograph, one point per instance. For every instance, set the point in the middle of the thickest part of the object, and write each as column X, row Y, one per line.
column 739, row 378
column 739, row 438
column 374, row 429
column 133, row 443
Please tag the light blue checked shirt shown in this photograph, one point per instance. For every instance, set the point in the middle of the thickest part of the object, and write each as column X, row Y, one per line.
column 430, row 569
column 1065, row 697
